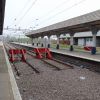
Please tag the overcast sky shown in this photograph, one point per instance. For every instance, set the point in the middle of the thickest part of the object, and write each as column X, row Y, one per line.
column 34, row 14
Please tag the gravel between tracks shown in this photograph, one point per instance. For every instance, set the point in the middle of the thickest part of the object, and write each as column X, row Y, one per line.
column 69, row 84
column 58, row 85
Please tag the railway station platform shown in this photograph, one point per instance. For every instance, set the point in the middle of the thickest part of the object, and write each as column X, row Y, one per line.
column 78, row 54
column 82, row 55
column 8, row 86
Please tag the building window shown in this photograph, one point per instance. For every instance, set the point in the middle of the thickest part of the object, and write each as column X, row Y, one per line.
column 90, row 39
column 87, row 39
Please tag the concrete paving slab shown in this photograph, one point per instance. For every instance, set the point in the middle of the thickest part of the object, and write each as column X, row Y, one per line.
column 13, row 87
column 84, row 55
column 5, row 85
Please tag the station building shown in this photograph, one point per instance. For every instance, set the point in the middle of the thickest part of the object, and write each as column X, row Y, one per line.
column 83, row 38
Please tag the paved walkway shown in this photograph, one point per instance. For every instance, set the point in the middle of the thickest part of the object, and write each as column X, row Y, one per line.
column 5, row 85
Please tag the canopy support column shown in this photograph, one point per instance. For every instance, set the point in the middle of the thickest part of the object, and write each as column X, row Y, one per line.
column 49, row 42
column 94, row 33
column 58, row 35
column 71, row 41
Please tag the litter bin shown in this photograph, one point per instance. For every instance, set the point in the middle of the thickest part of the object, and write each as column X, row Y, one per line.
column 71, row 48
column 93, row 50
column 32, row 43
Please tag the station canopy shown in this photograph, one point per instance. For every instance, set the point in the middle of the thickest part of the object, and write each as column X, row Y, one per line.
column 2, row 10
column 78, row 24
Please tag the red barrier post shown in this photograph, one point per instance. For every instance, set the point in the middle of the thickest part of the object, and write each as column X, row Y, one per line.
column 11, row 51
column 23, row 51
column 39, row 52
column 49, row 56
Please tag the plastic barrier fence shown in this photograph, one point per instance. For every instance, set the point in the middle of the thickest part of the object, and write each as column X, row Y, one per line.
column 40, row 51
column 14, row 52
column 88, row 48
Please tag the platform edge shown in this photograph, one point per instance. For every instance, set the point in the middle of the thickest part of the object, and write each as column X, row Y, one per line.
column 16, row 93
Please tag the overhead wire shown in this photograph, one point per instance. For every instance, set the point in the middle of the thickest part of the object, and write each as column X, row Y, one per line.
column 17, row 23
column 21, row 11
column 58, row 6
column 52, row 10
column 66, row 9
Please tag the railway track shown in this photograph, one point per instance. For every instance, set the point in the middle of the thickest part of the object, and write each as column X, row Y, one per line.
column 58, row 65
column 80, row 63
column 30, row 65
column 55, row 84
column 13, row 64
column 73, row 62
